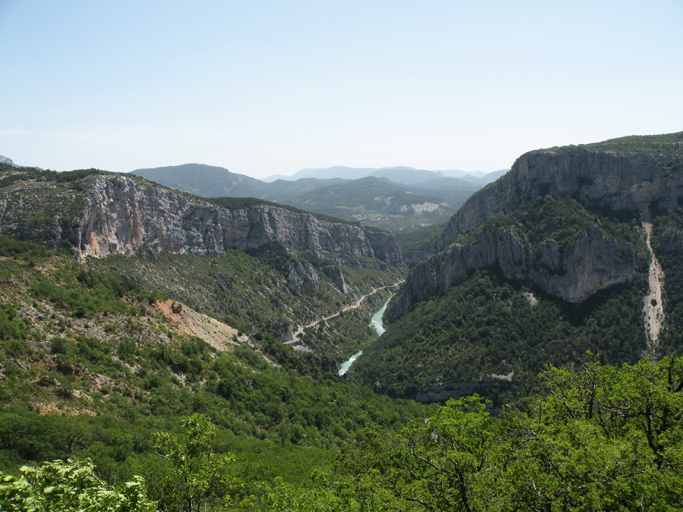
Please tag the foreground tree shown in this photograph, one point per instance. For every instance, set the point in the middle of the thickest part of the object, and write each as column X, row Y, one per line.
column 603, row 438
column 67, row 486
column 200, row 477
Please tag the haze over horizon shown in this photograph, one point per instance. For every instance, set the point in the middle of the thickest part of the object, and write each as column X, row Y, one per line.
column 265, row 88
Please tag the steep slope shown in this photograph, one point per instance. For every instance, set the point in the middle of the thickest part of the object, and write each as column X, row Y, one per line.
column 556, row 244
column 567, row 233
column 631, row 175
column 262, row 267
column 114, row 214
column 624, row 180
column 92, row 365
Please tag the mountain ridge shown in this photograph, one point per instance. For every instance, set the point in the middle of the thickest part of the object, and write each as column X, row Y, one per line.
column 408, row 201
column 117, row 214
column 629, row 183
column 304, row 267
column 565, row 237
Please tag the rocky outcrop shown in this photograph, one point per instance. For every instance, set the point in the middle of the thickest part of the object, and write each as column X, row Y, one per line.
column 302, row 274
column 593, row 263
column 125, row 216
column 598, row 179
column 624, row 184
column 337, row 276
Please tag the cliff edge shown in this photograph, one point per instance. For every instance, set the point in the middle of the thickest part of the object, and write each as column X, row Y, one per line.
column 106, row 214
column 629, row 179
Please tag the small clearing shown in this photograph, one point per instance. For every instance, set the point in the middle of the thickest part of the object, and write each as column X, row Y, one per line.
column 217, row 334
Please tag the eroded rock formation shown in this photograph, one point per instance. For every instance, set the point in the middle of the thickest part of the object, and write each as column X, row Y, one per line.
column 115, row 214
column 615, row 184
column 593, row 263
column 598, row 179
column 123, row 216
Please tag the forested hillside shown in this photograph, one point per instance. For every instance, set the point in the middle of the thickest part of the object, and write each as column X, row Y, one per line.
column 91, row 365
column 546, row 263
column 162, row 352
column 262, row 269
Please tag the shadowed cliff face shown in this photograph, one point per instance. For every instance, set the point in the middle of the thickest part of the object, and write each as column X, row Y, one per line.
column 122, row 216
column 593, row 263
column 614, row 184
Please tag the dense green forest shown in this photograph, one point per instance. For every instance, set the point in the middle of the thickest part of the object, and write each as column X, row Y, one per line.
column 494, row 336
column 667, row 241
column 89, row 369
column 600, row 438
column 411, row 242
column 489, row 327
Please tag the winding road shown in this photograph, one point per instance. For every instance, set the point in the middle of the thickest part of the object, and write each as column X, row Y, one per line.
column 301, row 328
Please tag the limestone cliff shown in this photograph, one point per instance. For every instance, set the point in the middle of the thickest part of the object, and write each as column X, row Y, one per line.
column 114, row 214
column 617, row 183
column 605, row 180
column 593, row 263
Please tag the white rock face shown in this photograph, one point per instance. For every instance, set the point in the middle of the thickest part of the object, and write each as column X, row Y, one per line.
column 598, row 179
column 122, row 216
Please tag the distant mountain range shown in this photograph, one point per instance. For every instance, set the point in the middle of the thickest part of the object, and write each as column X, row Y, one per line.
column 400, row 174
column 394, row 198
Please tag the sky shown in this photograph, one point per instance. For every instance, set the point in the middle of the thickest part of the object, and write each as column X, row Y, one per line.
column 272, row 87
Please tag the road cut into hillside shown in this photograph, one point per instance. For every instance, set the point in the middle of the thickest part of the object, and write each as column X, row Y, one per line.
column 296, row 343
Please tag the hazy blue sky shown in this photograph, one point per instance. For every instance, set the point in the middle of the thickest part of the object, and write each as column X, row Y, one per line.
column 265, row 87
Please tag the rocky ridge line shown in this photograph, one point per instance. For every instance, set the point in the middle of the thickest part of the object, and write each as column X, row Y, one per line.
column 113, row 214
column 124, row 217
column 598, row 179
column 618, row 184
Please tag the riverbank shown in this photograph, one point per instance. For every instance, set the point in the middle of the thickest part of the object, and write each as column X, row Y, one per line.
column 376, row 323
